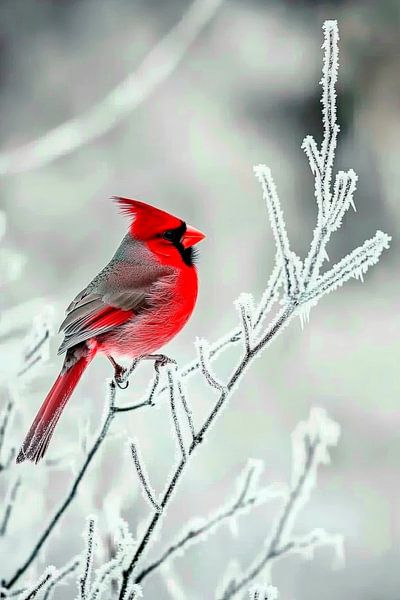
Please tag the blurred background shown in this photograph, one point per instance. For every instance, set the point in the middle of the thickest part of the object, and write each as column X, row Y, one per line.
column 245, row 92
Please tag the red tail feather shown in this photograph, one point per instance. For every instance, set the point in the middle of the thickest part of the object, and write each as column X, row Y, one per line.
column 42, row 428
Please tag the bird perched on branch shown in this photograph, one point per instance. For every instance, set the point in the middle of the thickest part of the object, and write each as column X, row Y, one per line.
column 135, row 305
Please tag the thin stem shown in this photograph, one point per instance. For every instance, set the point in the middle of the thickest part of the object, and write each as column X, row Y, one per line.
column 174, row 414
column 32, row 593
column 212, row 381
column 143, row 479
column 186, row 407
column 9, row 506
column 62, row 574
column 84, row 580
column 5, row 420
column 246, row 327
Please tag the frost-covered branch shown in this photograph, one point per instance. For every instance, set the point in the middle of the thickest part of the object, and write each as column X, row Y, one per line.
column 143, row 478
column 110, row 412
column 185, row 404
column 155, row 68
column 93, row 582
column 174, row 414
column 87, row 564
column 9, row 505
column 205, row 367
column 249, row 495
column 41, row 583
column 5, row 419
column 312, row 440
column 62, row 574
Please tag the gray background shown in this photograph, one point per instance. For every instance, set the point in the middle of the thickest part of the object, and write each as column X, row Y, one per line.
column 247, row 92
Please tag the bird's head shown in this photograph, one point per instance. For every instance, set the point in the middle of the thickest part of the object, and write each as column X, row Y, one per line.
column 169, row 237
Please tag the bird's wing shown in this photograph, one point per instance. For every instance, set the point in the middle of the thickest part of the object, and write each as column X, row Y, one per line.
column 107, row 302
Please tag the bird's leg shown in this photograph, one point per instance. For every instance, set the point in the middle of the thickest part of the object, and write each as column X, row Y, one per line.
column 119, row 373
column 160, row 360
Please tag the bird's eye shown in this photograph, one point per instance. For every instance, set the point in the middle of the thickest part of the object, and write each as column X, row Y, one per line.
column 169, row 235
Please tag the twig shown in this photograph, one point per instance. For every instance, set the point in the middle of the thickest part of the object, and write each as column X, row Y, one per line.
column 62, row 574
column 5, row 421
column 203, row 352
column 148, row 493
column 150, row 397
column 186, row 407
column 239, row 505
column 43, row 580
column 175, row 418
column 156, row 67
column 9, row 506
column 87, row 561
column 246, row 311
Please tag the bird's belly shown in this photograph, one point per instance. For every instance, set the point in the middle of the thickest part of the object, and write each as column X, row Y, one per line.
column 145, row 333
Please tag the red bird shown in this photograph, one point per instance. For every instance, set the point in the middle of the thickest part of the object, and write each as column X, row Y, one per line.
column 135, row 305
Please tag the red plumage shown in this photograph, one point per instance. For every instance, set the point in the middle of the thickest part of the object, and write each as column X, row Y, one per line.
column 135, row 305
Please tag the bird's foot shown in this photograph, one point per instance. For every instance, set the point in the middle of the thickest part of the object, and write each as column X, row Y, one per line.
column 119, row 373
column 161, row 361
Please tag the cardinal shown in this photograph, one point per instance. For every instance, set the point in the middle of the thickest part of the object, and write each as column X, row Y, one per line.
column 135, row 305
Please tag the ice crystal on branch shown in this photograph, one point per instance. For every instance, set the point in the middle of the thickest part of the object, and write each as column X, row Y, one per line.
column 303, row 285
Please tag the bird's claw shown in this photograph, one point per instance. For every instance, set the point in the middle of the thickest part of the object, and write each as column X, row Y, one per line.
column 162, row 361
column 119, row 374
column 122, row 384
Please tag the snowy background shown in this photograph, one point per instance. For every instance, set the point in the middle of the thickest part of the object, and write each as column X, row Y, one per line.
column 246, row 92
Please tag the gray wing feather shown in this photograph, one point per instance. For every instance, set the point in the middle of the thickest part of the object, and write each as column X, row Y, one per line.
column 75, row 324
column 124, row 284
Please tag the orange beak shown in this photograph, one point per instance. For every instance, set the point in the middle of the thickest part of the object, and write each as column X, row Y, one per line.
column 191, row 237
